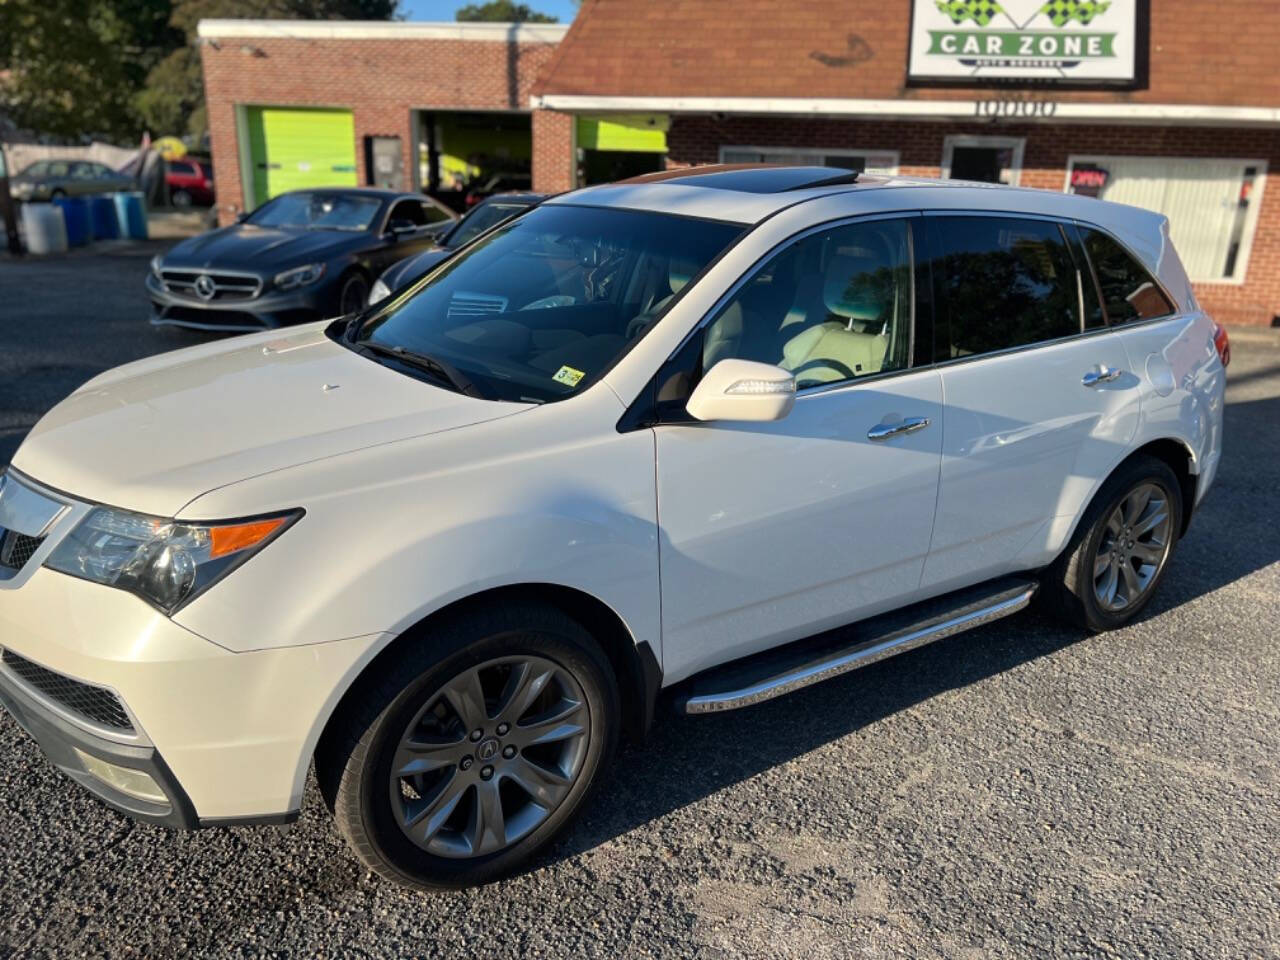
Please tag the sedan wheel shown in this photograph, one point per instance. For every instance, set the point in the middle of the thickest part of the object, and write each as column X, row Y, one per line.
column 354, row 296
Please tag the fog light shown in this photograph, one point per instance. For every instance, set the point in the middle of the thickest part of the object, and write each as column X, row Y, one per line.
column 134, row 783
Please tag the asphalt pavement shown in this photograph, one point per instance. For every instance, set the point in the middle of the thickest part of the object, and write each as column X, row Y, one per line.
column 1016, row 791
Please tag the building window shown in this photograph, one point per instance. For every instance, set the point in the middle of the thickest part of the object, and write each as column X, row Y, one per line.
column 863, row 161
column 985, row 159
column 1212, row 204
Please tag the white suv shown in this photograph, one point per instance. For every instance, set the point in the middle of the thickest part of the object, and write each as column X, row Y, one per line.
column 720, row 433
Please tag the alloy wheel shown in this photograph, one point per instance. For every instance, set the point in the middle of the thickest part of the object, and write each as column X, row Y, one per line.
column 1133, row 547
column 490, row 756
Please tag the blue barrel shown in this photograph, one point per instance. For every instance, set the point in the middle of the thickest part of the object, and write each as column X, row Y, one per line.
column 75, row 211
column 131, row 214
column 102, row 217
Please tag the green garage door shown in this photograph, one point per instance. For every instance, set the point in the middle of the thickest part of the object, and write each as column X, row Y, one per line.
column 291, row 149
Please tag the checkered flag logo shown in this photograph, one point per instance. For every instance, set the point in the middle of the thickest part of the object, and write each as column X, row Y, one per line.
column 1062, row 12
column 979, row 11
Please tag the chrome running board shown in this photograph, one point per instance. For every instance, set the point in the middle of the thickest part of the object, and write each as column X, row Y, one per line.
column 774, row 673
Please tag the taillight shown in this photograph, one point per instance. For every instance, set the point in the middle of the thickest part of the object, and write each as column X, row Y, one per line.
column 1222, row 343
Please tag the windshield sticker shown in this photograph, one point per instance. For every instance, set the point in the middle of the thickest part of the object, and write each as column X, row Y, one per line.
column 568, row 376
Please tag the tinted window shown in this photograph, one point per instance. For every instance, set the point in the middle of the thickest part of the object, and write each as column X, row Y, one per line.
column 833, row 306
column 177, row 166
column 536, row 309
column 1128, row 292
column 407, row 211
column 481, row 219
column 433, row 214
column 1002, row 282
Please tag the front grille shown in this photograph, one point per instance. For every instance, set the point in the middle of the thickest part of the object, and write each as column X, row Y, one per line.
column 226, row 286
column 17, row 548
column 94, row 704
column 235, row 319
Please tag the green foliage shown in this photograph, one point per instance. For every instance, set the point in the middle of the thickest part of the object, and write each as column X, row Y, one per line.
column 503, row 11
column 113, row 68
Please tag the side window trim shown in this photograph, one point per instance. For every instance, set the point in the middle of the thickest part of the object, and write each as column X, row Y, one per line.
column 1155, row 278
column 1078, row 250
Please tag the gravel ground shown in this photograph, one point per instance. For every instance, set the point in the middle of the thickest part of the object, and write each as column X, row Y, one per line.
column 1016, row 791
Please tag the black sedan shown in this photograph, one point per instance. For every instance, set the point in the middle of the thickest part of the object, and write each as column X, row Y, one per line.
column 489, row 213
column 301, row 256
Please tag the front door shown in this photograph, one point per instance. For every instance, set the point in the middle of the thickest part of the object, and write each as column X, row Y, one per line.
column 770, row 532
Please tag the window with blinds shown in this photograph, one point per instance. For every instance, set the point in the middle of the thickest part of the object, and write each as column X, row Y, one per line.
column 1212, row 204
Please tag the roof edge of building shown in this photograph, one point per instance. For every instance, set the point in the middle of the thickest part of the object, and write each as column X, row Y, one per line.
column 383, row 30
column 1171, row 114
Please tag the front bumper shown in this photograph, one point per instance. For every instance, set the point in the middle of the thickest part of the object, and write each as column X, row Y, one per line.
column 227, row 736
column 67, row 744
column 265, row 312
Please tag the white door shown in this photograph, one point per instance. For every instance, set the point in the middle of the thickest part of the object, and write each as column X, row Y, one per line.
column 1039, row 403
column 771, row 532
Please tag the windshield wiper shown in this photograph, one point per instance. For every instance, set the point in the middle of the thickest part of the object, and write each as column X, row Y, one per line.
column 439, row 369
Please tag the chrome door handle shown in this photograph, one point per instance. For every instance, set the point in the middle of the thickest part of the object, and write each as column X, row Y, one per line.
column 883, row 431
column 1103, row 374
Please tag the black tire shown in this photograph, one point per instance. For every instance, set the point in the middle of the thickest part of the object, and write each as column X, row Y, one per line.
column 353, row 293
column 58, row 194
column 181, row 198
column 1069, row 587
column 354, row 760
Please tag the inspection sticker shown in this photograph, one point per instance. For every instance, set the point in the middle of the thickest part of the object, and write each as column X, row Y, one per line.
column 568, row 376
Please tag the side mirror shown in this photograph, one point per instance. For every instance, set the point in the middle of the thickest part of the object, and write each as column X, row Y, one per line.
column 743, row 390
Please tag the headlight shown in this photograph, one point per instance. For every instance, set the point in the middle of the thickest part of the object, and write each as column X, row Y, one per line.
column 165, row 562
column 380, row 291
column 299, row 276
column 156, row 263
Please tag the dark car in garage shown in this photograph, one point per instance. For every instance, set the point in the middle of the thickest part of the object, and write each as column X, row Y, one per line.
column 304, row 255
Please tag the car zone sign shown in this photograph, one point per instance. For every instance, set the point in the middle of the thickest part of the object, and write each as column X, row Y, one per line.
column 1068, row 41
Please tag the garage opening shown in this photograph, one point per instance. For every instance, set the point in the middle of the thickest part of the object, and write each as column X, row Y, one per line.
column 291, row 148
column 464, row 157
column 618, row 146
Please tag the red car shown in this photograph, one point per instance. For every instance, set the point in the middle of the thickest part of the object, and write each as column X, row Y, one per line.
column 189, row 182
column 1222, row 342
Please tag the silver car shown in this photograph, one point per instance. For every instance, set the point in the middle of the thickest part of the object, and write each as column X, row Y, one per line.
column 49, row 179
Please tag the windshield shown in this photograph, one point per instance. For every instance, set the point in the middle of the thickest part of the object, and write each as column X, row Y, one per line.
column 318, row 211
column 538, row 308
column 481, row 219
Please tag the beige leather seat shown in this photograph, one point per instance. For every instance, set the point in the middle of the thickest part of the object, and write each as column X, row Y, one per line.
column 853, row 339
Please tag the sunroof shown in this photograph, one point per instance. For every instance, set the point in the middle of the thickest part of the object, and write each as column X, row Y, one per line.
column 761, row 178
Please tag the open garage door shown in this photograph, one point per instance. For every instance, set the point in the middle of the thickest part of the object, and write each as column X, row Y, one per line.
column 618, row 146
column 292, row 148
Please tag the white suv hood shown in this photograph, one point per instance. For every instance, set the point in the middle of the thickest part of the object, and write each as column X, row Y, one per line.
column 153, row 435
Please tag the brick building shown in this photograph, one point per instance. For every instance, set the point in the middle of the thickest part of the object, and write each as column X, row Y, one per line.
column 1169, row 104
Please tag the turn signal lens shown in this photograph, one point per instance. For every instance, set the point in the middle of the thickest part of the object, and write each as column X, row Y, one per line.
column 224, row 540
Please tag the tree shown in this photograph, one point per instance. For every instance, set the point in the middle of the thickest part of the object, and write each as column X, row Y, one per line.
column 73, row 65
column 504, row 11
column 110, row 68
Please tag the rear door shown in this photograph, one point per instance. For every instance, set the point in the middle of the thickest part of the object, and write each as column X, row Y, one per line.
column 1039, row 404
column 774, row 531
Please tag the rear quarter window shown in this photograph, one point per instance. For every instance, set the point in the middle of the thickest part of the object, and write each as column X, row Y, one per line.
column 1128, row 291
